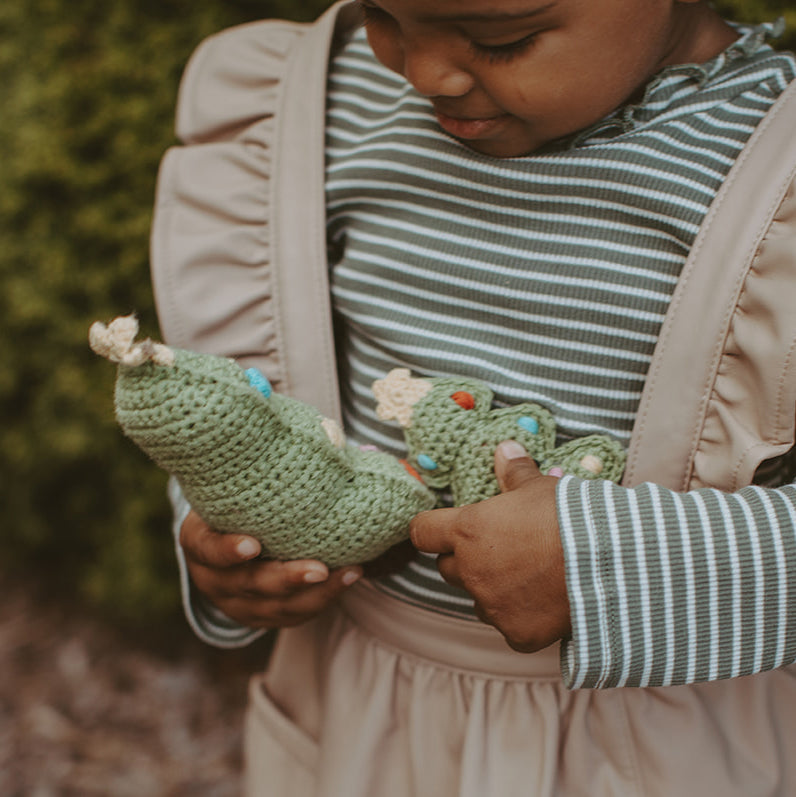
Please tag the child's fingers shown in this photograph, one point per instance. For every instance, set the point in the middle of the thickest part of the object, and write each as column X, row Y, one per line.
column 432, row 531
column 301, row 573
column 209, row 548
column 514, row 466
column 448, row 567
column 271, row 579
column 278, row 579
column 310, row 575
column 272, row 601
column 310, row 600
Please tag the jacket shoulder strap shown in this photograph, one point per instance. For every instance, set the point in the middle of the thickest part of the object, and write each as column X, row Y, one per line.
column 238, row 244
column 303, row 313
column 720, row 392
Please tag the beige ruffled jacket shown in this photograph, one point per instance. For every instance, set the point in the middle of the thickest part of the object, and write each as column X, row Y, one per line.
column 240, row 268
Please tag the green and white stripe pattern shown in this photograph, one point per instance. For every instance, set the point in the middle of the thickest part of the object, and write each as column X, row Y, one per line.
column 631, row 551
column 548, row 277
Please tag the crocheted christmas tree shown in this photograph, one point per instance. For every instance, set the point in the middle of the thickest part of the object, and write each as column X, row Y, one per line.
column 452, row 431
column 252, row 461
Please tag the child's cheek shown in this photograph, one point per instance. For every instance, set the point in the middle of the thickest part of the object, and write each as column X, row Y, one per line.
column 386, row 48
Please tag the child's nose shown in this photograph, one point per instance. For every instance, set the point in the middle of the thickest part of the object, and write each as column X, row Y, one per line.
column 434, row 74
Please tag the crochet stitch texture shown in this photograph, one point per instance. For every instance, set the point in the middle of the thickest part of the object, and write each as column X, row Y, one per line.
column 256, row 462
column 452, row 431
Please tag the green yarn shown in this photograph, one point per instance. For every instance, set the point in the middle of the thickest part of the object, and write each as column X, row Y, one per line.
column 452, row 442
column 569, row 457
column 255, row 462
column 260, row 466
column 462, row 442
column 265, row 466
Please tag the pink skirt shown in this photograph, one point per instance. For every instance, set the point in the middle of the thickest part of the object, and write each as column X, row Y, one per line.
column 382, row 699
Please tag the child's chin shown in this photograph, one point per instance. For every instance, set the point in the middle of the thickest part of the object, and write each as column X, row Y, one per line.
column 503, row 148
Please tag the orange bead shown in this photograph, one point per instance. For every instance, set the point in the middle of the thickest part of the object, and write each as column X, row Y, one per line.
column 410, row 470
column 464, row 400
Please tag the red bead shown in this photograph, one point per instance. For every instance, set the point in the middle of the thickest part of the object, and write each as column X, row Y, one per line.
column 464, row 400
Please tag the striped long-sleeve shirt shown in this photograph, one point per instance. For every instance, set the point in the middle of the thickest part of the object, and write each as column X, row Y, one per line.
column 548, row 277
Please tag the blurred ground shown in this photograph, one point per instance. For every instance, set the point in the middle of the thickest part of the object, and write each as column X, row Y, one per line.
column 85, row 711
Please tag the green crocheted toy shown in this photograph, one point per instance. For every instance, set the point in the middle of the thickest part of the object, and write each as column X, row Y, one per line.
column 452, row 431
column 256, row 462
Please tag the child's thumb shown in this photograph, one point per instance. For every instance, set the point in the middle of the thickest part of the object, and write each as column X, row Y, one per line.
column 514, row 466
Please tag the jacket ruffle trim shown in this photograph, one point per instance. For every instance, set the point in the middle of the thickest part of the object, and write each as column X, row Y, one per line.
column 213, row 206
column 758, row 423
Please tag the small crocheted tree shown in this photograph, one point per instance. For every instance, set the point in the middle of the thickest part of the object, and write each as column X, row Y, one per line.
column 452, row 431
column 256, row 462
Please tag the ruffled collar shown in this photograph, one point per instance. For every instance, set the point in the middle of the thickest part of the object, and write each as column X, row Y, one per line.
column 674, row 82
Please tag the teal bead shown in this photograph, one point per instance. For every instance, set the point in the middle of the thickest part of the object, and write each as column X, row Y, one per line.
column 529, row 424
column 426, row 462
column 259, row 381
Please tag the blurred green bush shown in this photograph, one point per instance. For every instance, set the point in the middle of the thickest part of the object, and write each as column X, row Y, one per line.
column 89, row 90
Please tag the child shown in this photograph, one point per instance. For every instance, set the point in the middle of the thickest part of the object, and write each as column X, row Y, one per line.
column 512, row 189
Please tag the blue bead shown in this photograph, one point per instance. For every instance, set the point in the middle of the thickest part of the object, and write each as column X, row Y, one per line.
column 426, row 462
column 258, row 381
column 529, row 424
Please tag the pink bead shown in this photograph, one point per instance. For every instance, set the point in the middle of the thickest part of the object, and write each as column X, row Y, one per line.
column 557, row 472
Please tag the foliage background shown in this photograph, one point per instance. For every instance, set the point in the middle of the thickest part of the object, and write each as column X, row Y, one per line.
column 89, row 88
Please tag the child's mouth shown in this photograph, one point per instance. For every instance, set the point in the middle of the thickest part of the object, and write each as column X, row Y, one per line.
column 471, row 129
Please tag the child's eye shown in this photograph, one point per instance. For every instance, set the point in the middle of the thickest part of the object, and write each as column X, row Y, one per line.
column 503, row 52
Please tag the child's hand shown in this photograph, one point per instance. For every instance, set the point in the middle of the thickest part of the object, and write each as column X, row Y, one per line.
column 253, row 592
column 506, row 552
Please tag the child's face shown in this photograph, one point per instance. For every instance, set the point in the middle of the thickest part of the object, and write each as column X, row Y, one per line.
column 507, row 76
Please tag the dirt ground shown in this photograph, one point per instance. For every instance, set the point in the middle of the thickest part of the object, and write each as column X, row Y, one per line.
column 85, row 712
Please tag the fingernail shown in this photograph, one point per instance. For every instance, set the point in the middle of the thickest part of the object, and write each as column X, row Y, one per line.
column 511, row 449
column 315, row 576
column 247, row 548
column 351, row 577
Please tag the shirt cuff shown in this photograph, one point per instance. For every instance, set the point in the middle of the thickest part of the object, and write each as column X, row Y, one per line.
column 207, row 622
